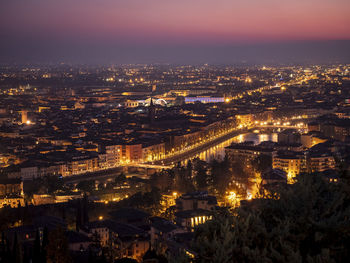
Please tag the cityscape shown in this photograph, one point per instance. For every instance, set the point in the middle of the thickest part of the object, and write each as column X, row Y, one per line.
column 169, row 158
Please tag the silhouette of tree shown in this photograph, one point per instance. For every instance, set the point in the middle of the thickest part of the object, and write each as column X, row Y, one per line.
column 308, row 222
column 57, row 248
column 37, row 248
column 16, row 251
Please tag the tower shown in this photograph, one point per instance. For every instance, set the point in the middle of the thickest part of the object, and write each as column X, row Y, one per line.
column 24, row 116
column 151, row 111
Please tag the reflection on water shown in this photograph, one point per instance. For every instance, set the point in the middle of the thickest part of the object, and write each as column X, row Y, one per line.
column 218, row 151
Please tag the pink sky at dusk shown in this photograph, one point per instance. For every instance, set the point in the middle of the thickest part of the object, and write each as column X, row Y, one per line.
column 180, row 21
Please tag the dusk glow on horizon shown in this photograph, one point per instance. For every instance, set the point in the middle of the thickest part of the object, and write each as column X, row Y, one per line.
column 182, row 22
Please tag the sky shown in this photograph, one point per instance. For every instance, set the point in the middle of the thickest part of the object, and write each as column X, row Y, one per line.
column 179, row 31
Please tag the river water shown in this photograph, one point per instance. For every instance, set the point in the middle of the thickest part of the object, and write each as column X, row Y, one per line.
column 218, row 151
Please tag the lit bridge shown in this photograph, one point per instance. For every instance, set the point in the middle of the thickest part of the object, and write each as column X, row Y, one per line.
column 149, row 166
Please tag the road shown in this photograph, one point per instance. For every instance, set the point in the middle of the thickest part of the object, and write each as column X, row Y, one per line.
column 194, row 151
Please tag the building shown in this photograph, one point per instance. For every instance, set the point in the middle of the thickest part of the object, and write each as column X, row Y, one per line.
column 244, row 120
column 131, row 103
column 289, row 136
column 131, row 153
column 126, row 239
column 189, row 219
column 11, row 192
column 204, row 99
column 97, row 230
column 82, row 164
column 237, row 152
column 310, row 139
column 319, row 161
column 24, row 116
column 163, row 230
column 196, row 200
column 78, row 241
column 274, row 176
column 292, row 163
column 193, row 209
column 113, row 153
column 153, row 152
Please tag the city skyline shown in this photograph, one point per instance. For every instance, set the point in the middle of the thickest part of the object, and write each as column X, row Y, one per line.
column 138, row 131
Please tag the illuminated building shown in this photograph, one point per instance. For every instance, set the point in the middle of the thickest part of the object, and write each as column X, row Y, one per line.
column 153, row 152
column 313, row 126
column 194, row 209
column 292, row 163
column 131, row 153
column 11, row 192
column 82, row 164
column 189, row 219
column 113, row 153
column 24, row 116
column 244, row 119
column 204, row 99
column 131, row 103
column 319, row 161
column 246, row 151
column 154, row 88
column 310, row 139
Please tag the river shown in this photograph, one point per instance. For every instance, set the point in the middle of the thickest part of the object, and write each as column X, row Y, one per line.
column 218, row 151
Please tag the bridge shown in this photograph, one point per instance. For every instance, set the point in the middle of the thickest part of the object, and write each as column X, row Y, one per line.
column 149, row 166
column 280, row 126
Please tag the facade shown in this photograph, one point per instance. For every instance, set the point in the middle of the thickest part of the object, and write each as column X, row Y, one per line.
column 289, row 136
column 204, row 99
column 126, row 239
column 113, row 153
column 11, row 192
column 292, row 163
column 153, row 152
column 194, row 209
column 308, row 140
column 131, row 103
column 131, row 153
column 98, row 230
column 319, row 162
column 245, row 151
column 274, row 176
column 162, row 230
column 82, row 164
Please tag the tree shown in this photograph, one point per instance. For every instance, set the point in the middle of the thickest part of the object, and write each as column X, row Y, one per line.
column 86, row 186
column 53, row 183
column 161, row 180
column 37, row 248
column 44, row 245
column 57, row 248
column 220, row 176
column 125, row 260
column 262, row 163
column 201, row 175
column 78, row 220
column 308, row 222
column 85, row 210
column 151, row 255
column 120, row 179
column 16, row 251
column 5, row 251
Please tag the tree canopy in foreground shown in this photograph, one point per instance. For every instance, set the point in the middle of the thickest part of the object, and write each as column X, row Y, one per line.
column 308, row 221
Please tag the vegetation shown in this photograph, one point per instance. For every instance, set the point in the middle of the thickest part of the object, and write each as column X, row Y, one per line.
column 307, row 222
